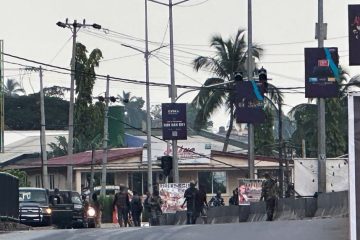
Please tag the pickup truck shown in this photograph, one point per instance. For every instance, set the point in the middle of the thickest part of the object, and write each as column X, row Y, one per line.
column 34, row 208
column 68, row 210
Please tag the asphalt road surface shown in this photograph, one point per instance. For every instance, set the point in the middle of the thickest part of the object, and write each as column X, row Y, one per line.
column 327, row 229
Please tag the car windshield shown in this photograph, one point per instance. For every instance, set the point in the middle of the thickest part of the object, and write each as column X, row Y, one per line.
column 75, row 198
column 32, row 196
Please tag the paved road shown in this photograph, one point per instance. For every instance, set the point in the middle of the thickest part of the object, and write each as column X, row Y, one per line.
column 317, row 229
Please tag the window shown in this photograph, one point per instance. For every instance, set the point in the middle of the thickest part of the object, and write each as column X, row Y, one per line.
column 213, row 181
column 51, row 181
column 138, row 181
column 38, row 181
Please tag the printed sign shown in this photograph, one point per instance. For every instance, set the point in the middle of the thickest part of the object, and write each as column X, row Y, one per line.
column 249, row 102
column 354, row 34
column 321, row 72
column 174, row 121
column 172, row 195
column 249, row 190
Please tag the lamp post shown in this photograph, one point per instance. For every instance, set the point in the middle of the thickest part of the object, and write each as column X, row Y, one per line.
column 172, row 76
column 74, row 27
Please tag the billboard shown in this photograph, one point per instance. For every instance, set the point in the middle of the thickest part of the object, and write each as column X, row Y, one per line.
column 354, row 34
column 249, row 102
column 174, row 121
column 172, row 195
column 249, row 190
column 321, row 72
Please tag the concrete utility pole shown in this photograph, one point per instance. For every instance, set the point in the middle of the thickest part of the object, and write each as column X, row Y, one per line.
column 74, row 27
column 106, row 138
column 321, row 27
column 2, row 122
column 43, row 136
column 172, row 77
column 92, row 169
column 281, row 165
column 251, row 155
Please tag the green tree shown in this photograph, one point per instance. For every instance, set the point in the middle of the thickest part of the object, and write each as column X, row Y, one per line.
column 264, row 135
column 21, row 175
column 88, row 117
column 13, row 88
column 56, row 91
column 60, row 148
column 134, row 113
column 230, row 57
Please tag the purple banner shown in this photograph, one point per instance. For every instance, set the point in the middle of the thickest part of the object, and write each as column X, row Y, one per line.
column 321, row 71
column 174, row 121
column 354, row 34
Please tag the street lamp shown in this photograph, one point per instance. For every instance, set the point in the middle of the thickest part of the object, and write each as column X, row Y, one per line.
column 74, row 27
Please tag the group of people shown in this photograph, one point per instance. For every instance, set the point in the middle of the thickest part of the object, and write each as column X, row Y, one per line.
column 124, row 206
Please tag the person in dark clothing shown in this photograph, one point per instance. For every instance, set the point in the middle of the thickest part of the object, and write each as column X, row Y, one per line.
column 147, row 207
column 217, row 200
column 155, row 206
column 98, row 210
column 202, row 204
column 269, row 193
column 234, row 199
column 122, row 203
column 56, row 198
column 191, row 195
column 136, row 209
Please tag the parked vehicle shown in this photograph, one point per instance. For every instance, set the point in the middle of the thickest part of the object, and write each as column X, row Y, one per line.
column 69, row 210
column 34, row 208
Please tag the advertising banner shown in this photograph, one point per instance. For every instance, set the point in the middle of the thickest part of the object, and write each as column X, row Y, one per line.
column 249, row 102
column 174, row 121
column 354, row 34
column 321, row 72
column 172, row 195
column 249, row 190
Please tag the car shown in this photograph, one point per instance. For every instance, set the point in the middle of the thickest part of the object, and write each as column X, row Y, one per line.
column 34, row 207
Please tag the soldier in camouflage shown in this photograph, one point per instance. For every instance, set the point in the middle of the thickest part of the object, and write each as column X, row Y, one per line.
column 269, row 193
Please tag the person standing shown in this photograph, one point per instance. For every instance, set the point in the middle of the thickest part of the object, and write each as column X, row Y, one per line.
column 122, row 203
column 155, row 208
column 217, row 200
column 147, row 207
column 202, row 204
column 269, row 193
column 98, row 210
column 191, row 195
column 234, row 199
column 136, row 209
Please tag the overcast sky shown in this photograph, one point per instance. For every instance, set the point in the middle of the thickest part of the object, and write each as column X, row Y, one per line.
column 282, row 27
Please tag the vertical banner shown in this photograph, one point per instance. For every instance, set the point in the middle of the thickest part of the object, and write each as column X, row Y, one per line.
column 2, row 121
column 174, row 121
column 354, row 34
column 321, row 72
column 354, row 164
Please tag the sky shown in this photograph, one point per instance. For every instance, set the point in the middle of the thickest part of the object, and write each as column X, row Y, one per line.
column 283, row 28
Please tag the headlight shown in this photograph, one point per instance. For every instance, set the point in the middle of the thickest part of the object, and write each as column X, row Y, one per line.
column 46, row 210
column 91, row 212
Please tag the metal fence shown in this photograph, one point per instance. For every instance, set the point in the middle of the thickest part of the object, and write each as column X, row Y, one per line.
column 9, row 196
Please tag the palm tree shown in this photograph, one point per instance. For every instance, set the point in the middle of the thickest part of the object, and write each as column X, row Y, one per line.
column 12, row 88
column 230, row 57
column 133, row 109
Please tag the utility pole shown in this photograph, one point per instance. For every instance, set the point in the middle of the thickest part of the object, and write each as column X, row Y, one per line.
column 281, row 165
column 251, row 156
column 74, row 27
column 106, row 138
column 321, row 110
column 92, row 169
column 43, row 136
column 148, row 117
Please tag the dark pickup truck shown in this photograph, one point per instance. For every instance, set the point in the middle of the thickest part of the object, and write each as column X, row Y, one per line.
column 34, row 208
column 67, row 209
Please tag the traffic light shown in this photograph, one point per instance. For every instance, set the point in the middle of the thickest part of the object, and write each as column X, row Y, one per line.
column 112, row 99
column 101, row 98
column 263, row 79
column 166, row 164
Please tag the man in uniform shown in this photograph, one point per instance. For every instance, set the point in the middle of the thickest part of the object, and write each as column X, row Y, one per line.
column 191, row 195
column 269, row 193
column 122, row 203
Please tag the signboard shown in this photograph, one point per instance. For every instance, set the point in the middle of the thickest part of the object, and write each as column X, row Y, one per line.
column 249, row 190
column 192, row 151
column 321, row 72
column 249, row 103
column 174, row 121
column 354, row 34
column 354, row 164
column 172, row 195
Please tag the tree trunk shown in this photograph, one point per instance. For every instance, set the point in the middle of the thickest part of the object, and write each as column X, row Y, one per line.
column 226, row 142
